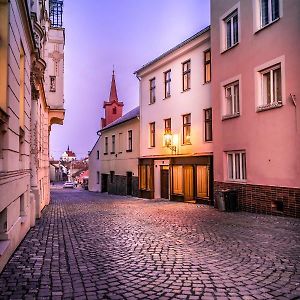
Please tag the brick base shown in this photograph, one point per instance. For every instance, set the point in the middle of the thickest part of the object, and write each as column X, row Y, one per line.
column 272, row 200
column 119, row 185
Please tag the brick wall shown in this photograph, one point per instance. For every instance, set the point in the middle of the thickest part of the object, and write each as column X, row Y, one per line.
column 265, row 199
column 119, row 185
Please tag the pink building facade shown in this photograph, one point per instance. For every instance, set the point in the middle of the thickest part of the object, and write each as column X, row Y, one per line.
column 255, row 92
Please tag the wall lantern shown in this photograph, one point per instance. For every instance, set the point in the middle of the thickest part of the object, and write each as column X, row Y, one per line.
column 168, row 139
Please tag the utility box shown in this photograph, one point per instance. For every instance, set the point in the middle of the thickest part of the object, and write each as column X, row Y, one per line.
column 227, row 200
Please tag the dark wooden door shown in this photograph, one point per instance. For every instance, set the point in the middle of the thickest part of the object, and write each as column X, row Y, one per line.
column 104, row 183
column 129, row 183
column 164, row 184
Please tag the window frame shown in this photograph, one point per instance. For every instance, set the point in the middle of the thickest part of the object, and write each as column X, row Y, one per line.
column 185, row 125
column 186, row 73
column 98, row 155
column 152, row 134
column 113, row 144
column 152, row 87
column 242, row 158
column 167, row 83
column 235, row 104
column 129, row 140
column 105, row 145
column 207, row 62
column 145, row 177
column 208, row 122
column 52, row 87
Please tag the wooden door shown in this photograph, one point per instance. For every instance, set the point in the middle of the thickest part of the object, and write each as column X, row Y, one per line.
column 202, row 181
column 164, row 184
column 129, row 183
column 188, row 186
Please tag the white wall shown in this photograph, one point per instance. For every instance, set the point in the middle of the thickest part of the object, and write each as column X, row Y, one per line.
column 94, row 166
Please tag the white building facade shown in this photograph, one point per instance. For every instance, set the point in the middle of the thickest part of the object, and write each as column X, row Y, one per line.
column 176, row 123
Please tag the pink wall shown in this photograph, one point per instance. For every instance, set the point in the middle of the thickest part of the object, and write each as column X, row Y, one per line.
column 270, row 138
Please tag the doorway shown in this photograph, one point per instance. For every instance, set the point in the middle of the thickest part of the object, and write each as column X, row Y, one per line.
column 188, row 180
column 129, row 183
column 164, row 182
column 104, row 183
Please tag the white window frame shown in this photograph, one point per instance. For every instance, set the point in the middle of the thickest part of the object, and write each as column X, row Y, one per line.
column 257, row 15
column 241, row 171
column 223, row 27
column 223, row 86
column 262, row 69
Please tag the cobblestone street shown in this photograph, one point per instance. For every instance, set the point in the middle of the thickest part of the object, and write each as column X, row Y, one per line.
column 98, row 246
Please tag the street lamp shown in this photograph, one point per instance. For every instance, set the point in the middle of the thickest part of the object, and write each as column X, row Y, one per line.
column 168, row 138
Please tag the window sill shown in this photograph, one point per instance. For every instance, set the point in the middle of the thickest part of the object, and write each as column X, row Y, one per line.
column 186, row 90
column 151, row 103
column 151, row 147
column 3, row 246
column 227, row 49
column 112, row 152
column 227, row 117
column 210, row 141
column 268, row 106
column 186, row 144
column 129, row 150
column 266, row 26
column 167, row 97
column 105, row 153
column 237, row 180
column 120, row 152
column 207, row 82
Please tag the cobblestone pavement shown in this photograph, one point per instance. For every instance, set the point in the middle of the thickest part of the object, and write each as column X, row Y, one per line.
column 95, row 246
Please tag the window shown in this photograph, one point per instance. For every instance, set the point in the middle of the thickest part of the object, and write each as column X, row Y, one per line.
column 120, row 142
column 177, row 179
column 208, row 124
column 52, row 83
column 152, row 90
column 271, row 86
column 22, row 88
column 187, row 129
column 22, row 205
column 231, row 29
column 167, row 84
column 152, row 134
column 98, row 177
column 106, row 145
column 3, row 221
column 98, row 154
column 113, row 144
column 167, row 125
column 129, row 141
column 145, row 177
column 232, row 99
column 186, row 75
column 114, row 111
column 207, row 66
column 269, row 11
column 236, row 165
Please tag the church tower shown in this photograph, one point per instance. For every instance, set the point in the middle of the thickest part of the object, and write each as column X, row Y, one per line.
column 113, row 108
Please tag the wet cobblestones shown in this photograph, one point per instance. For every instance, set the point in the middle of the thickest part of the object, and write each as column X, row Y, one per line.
column 98, row 246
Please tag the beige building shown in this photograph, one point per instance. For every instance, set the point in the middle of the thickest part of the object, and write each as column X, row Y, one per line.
column 176, row 123
column 119, row 144
column 31, row 100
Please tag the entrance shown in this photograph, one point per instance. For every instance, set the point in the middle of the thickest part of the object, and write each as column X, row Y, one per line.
column 104, row 183
column 188, row 186
column 129, row 183
column 164, row 182
column 202, row 181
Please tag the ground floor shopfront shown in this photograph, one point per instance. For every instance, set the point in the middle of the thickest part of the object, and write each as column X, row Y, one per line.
column 179, row 178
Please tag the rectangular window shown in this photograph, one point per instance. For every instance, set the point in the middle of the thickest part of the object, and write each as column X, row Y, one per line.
column 207, row 66
column 120, row 142
column 269, row 11
column 177, row 179
column 232, row 106
column 186, row 75
column 271, row 85
column 106, row 145
column 98, row 177
column 22, row 205
column 186, row 129
column 231, row 29
column 167, row 84
column 52, row 83
column 3, row 221
column 113, row 144
column 152, row 134
column 129, row 149
column 236, row 165
column 152, row 90
column 22, row 88
column 168, row 125
column 208, row 124
column 98, row 154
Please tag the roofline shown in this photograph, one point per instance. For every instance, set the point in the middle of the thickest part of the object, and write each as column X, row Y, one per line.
column 204, row 30
column 112, row 126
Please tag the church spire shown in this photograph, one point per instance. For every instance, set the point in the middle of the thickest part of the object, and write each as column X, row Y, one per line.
column 113, row 96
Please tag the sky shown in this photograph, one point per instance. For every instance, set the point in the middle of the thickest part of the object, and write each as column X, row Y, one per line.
column 125, row 34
